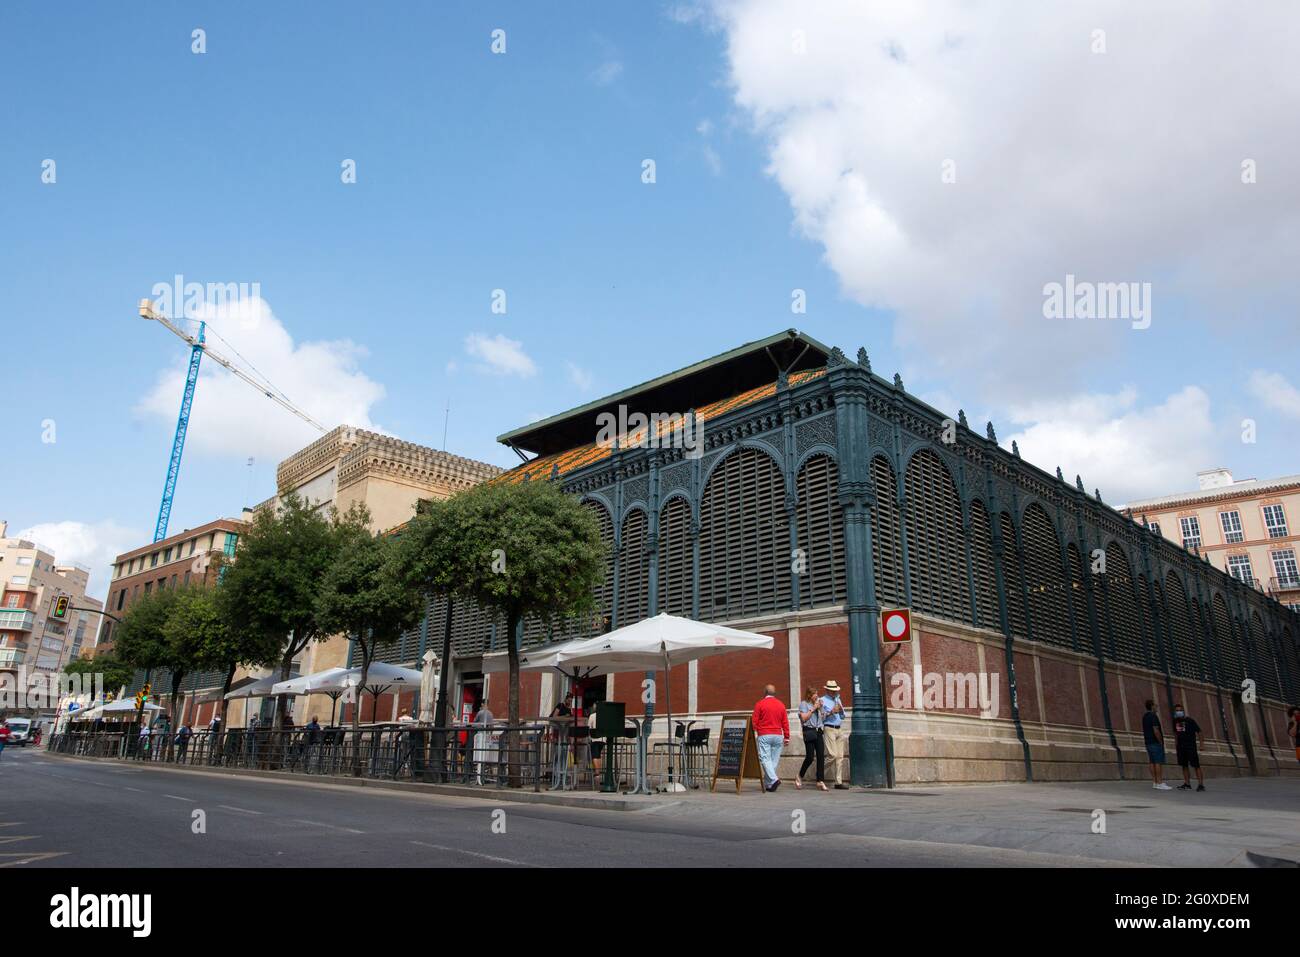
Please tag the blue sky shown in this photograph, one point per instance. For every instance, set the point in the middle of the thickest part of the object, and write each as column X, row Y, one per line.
column 522, row 172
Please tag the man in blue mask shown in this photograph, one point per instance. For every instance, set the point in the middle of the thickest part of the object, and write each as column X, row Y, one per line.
column 1187, row 735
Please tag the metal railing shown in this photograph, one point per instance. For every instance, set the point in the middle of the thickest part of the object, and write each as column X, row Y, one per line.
column 526, row 756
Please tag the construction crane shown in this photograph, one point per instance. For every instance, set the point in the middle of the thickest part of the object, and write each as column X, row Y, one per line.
column 198, row 348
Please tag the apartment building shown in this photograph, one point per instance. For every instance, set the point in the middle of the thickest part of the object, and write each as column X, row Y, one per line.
column 188, row 557
column 32, row 635
column 1249, row 528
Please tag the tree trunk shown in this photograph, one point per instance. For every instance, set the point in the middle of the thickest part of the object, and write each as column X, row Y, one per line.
column 440, row 710
column 512, row 709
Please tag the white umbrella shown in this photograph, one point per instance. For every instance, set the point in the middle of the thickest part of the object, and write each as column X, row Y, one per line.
column 328, row 682
column 540, row 659
column 664, row 640
column 380, row 678
column 261, row 688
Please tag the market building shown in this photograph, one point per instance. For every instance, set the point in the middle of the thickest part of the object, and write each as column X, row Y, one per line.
column 819, row 494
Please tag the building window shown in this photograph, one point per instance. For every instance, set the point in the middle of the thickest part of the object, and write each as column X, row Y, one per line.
column 121, row 597
column 1239, row 568
column 1191, row 527
column 1275, row 521
column 231, row 540
column 1284, row 569
column 19, row 579
column 148, row 586
column 1154, row 527
column 153, row 559
column 192, row 541
column 1231, row 522
column 24, row 560
column 167, row 555
column 12, row 601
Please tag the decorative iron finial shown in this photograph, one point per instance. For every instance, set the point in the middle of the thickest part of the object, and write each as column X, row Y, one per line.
column 1059, row 476
column 782, row 381
column 555, row 470
column 1097, row 493
column 898, row 382
column 990, row 432
column 837, row 357
column 1078, row 482
column 961, row 419
column 528, row 476
column 864, row 360
column 1015, row 449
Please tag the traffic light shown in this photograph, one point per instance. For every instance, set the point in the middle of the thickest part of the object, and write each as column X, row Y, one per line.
column 60, row 608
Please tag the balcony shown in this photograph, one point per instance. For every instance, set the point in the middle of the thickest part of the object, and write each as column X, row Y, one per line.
column 16, row 619
column 10, row 657
column 1285, row 583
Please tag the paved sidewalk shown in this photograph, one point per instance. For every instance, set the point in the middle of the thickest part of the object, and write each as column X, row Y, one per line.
column 1222, row 827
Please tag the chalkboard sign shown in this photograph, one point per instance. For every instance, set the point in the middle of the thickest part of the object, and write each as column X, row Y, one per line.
column 737, row 754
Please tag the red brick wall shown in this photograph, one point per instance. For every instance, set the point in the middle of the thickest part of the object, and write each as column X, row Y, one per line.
column 735, row 681
column 824, row 654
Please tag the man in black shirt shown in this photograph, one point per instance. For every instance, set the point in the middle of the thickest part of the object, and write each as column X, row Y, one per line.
column 1187, row 735
column 1154, row 738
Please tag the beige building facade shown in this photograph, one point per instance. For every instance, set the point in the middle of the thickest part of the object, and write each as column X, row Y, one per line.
column 1248, row 528
column 389, row 477
column 33, row 580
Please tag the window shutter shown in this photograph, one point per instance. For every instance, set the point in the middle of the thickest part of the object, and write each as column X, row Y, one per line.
column 1048, row 589
column 821, row 533
column 886, row 535
column 936, row 555
column 633, row 604
column 675, row 557
column 986, row 589
column 1011, row 578
column 744, row 538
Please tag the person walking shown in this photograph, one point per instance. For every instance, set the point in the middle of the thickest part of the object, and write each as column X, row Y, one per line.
column 814, row 743
column 772, row 727
column 1293, row 729
column 144, row 741
column 183, row 742
column 1187, row 735
column 833, row 731
column 1154, row 737
column 5, row 735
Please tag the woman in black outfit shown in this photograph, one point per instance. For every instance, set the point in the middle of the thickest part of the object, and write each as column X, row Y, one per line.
column 814, row 747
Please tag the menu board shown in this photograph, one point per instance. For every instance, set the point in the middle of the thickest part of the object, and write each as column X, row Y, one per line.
column 737, row 757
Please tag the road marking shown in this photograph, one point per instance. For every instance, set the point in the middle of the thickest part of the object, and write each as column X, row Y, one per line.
column 177, row 797
column 30, row 858
column 486, row 857
column 332, row 827
column 17, row 838
column 241, row 810
column 136, row 790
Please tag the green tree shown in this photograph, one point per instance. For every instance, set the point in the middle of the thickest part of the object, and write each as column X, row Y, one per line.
column 199, row 620
column 141, row 639
column 364, row 595
column 116, row 672
column 272, row 589
column 518, row 549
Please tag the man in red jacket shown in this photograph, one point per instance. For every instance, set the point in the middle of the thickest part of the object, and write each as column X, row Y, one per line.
column 772, row 728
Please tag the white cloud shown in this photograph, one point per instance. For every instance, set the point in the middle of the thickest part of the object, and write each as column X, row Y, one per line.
column 230, row 417
column 606, row 73
column 1126, row 450
column 502, row 356
column 94, row 545
column 1276, row 392
column 1115, row 166
column 580, row 377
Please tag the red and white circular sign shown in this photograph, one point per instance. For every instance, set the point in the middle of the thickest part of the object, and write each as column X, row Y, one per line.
column 896, row 626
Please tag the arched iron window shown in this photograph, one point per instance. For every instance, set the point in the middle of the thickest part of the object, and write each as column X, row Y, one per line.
column 1180, row 626
column 986, row 586
column 1122, row 607
column 1266, row 677
column 821, row 533
column 675, row 578
column 1079, row 598
column 936, row 555
column 886, row 535
column 633, row 569
column 1045, row 579
column 744, row 538
column 1231, row 663
column 1012, row 578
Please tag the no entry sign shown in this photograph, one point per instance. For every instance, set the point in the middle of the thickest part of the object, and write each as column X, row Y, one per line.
column 896, row 626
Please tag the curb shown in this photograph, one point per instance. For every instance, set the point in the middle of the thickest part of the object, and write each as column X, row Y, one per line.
column 556, row 799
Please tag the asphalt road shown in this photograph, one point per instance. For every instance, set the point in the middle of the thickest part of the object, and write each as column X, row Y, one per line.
column 60, row 812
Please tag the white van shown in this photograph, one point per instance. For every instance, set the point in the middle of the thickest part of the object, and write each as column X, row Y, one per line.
column 22, row 730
